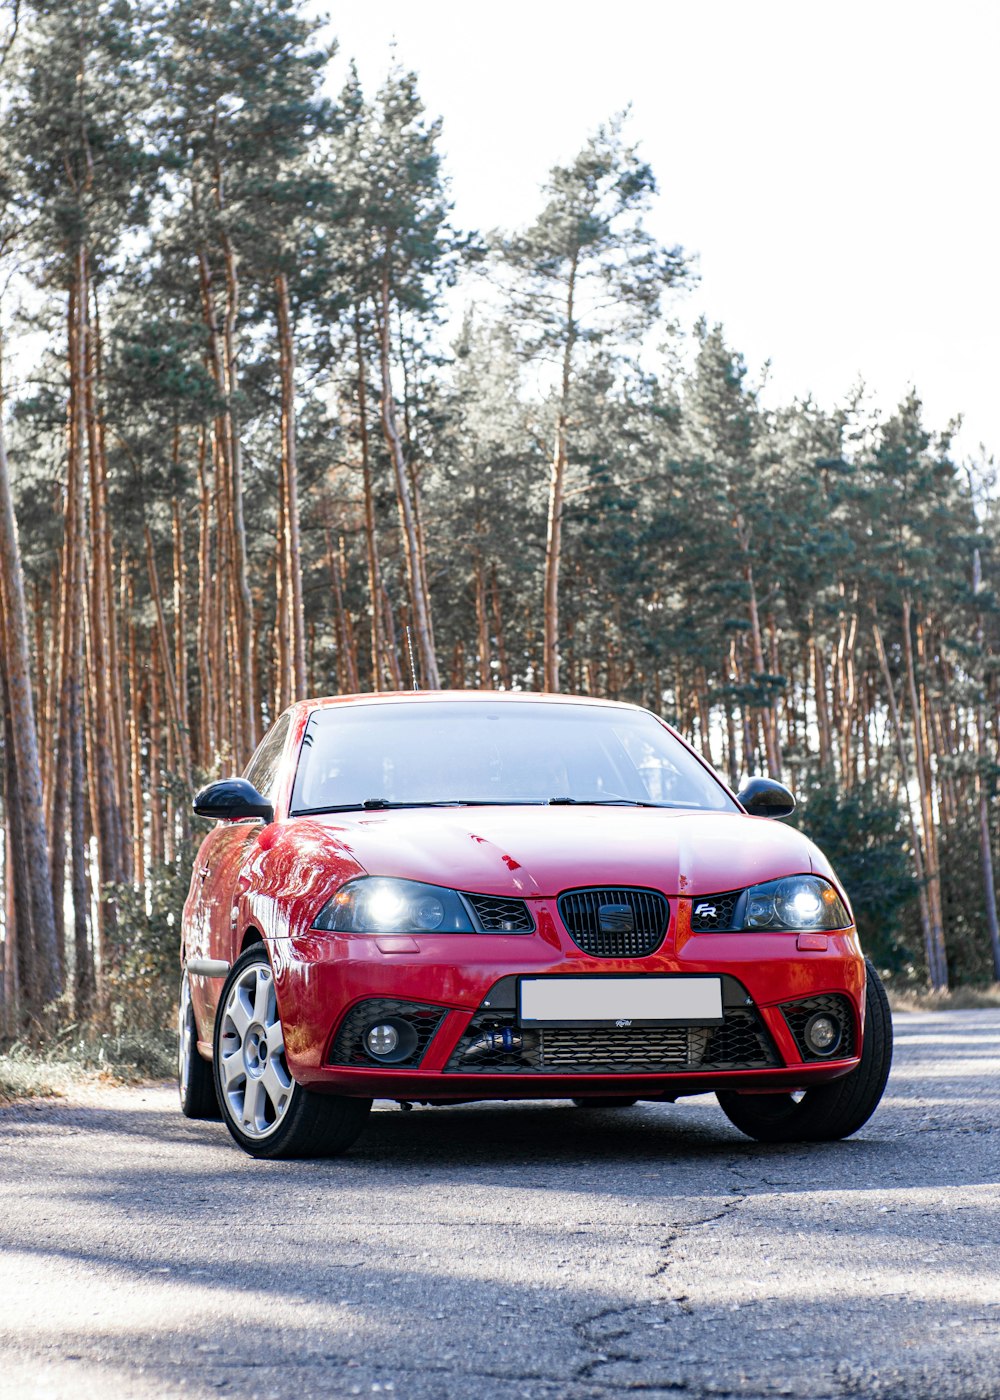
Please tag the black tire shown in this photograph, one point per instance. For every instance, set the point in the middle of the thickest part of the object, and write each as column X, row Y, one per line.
column 304, row 1124
column 195, row 1084
column 605, row 1103
column 830, row 1111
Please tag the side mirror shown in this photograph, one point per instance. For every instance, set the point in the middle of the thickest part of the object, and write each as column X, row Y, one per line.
column 763, row 797
column 232, row 798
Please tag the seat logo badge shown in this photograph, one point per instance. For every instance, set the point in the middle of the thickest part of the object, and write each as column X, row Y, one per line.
column 623, row 1023
column 706, row 911
column 616, row 918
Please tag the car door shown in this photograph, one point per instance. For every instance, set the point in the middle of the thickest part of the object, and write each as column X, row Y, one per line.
column 223, row 855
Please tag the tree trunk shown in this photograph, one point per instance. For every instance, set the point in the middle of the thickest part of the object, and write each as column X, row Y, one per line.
column 84, row 976
column 932, row 949
column 106, row 811
column 241, row 601
column 19, row 944
column 169, row 681
column 241, row 715
column 391, row 646
column 765, row 712
column 982, row 794
column 135, row 744
column 290, row 554
column 419, row 600
column 207, row 706
column 71, row 778
column 155, row 778
column 732, row 758
column 483, row 658
column 371, row 540
column 939, row 967
column 848, row 698
column 818, row 670
column 33, row 850
column 557, row 497
column 704, row 716
column 506, row 680
column 347, row 672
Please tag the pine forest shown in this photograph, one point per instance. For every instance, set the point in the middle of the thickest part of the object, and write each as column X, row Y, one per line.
column 268, row 412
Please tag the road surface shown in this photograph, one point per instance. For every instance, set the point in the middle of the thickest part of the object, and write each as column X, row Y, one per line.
column 513, row 1250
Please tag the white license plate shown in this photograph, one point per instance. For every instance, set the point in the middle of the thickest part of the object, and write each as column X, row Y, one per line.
column 621, row 1001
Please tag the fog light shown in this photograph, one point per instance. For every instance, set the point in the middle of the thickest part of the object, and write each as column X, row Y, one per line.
column 822, row 1034
column 382, row 1040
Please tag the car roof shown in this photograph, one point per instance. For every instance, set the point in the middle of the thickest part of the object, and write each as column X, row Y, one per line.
column 486, row 697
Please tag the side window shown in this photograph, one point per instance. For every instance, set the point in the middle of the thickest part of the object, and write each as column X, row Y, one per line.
column 262, row 769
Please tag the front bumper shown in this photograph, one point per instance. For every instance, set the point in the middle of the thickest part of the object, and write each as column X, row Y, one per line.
column 466, row 984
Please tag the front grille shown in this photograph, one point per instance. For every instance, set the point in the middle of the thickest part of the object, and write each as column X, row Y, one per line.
column 648, row 1047
column 348, row 1046
column 712, row 913
column 797, row 1013
column 493, row 1044
column 499, row 915
column 598, row 921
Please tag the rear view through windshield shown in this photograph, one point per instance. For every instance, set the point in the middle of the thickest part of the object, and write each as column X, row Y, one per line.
column 457, row 751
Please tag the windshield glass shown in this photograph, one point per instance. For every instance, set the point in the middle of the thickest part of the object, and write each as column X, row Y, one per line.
column 477, row 752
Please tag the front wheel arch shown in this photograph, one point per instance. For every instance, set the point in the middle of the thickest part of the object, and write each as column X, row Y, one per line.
column 828, row 1111
column 252, row 936
column 302, row 1123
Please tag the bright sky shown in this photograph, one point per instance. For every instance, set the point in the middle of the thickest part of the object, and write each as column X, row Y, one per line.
column 834, row 166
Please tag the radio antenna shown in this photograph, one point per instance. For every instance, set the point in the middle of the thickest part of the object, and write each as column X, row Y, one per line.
column 413, row 667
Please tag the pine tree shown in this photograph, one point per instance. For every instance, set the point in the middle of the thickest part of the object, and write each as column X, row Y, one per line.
column 80, row 164
column 401, row 211
column 586, row 269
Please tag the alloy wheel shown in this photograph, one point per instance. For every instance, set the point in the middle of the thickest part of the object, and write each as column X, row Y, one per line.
column 255, row 1081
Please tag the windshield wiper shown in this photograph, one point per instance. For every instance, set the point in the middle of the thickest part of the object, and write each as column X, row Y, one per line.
column 601, row 802
column 383, row 804
column 370, row 804
column 378, row 804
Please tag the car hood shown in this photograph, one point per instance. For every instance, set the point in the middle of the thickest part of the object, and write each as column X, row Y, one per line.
column 537, row 852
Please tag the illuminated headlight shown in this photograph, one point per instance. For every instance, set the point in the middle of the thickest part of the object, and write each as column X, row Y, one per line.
column 377, row 904
column 800, row 903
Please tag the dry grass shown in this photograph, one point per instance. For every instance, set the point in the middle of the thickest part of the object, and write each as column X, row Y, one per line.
column 960, row 999
column 24, row 1076
column 67, row 1064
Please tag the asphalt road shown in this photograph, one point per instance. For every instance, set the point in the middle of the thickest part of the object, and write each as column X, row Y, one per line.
column 514, row 1250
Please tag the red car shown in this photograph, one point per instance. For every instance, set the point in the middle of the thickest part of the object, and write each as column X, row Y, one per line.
column 449, row 896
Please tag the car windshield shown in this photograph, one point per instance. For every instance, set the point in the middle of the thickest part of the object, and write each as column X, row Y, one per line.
column 462, row 752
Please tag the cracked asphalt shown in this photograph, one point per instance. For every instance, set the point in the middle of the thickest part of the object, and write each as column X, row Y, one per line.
column 513, row 1250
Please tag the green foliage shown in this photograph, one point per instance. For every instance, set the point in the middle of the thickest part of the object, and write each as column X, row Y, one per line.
column 590, row 237
column 969, row 961
column 76, row 128
column 863, row 836
column 145, row 970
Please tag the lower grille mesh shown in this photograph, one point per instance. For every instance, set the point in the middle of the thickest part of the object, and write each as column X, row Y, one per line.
column 653, row 1046
column 742, row 1042
column 349, row 1049
column 797, row 1013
